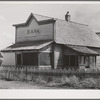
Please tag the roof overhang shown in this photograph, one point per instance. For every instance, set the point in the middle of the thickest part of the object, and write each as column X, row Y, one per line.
column 82, row 50
column 26, row 46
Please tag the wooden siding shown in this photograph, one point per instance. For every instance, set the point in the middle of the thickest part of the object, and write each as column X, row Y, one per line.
column 45, row 32
column 82, row 61
column 47, row 48
column 92, row 62
column 98, row 61
column 97, row 57
column 68, row 51
column 58, row 56
column 44, row 59
column 8, row 59
column 86, row 61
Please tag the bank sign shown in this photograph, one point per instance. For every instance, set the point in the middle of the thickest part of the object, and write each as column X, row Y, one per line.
column 33, row 31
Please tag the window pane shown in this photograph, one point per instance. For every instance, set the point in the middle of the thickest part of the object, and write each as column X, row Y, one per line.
column 72, row 60
column 66, row 61
column 30, row 58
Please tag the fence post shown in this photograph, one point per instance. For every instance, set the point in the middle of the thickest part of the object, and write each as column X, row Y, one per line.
column 26, row 73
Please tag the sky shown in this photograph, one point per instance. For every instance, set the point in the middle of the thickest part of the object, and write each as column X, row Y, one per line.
column 14, row 13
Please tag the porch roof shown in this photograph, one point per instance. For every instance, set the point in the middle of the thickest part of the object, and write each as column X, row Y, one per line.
column 23, row 46
column 83, row 50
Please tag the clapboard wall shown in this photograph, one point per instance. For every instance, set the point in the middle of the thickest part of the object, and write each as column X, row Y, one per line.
column 8, row 58
column 58, row 56
column 34, row 31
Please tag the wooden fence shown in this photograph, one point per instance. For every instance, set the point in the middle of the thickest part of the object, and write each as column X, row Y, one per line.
column 31, row 73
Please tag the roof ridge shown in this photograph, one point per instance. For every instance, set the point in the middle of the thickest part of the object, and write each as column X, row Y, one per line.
column 79, row 23
column 51, row 18
column 42, row 15
column 59, row 19
column 75, row 45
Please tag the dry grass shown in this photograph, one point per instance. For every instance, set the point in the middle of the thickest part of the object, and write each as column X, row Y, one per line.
column 82, row 79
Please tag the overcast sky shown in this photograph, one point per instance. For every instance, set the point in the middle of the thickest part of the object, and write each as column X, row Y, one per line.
column 18, row 13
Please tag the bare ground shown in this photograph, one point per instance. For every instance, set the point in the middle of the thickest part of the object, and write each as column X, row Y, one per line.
column 19, row 85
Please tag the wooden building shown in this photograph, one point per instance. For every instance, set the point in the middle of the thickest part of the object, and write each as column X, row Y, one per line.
column 50, row 42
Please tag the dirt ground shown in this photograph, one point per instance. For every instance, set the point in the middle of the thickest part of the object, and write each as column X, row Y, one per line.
column 19, row 85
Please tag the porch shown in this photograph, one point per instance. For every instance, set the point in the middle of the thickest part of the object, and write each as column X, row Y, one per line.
column 79, row 57
column 36, row 59
column 37, row 54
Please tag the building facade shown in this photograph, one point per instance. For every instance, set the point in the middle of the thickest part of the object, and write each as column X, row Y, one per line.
column 52, row 43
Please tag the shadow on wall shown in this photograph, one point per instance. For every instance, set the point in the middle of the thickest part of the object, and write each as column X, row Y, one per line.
column 1, row 58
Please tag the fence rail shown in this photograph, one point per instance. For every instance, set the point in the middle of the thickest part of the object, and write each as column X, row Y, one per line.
column 30, row 73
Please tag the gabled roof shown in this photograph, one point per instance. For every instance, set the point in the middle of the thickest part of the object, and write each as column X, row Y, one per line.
column 68, row 32
column 75, row 34
column 39, row 18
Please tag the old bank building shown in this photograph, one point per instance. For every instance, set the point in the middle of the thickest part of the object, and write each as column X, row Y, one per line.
column 53, row 43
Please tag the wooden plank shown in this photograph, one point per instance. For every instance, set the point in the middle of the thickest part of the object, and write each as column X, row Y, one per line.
column 38, row 59
column 58, row 56
column 53, row 56
column 45, row 32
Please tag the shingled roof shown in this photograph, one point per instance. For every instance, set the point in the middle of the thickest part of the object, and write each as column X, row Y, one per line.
column 83, row 50
column 75, row 34
column 27, row 46
column 70, row 32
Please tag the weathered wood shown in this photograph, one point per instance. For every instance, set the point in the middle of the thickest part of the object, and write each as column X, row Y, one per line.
column 58, row 56
column 45, row 32
column 53, row 65
column 8, row 59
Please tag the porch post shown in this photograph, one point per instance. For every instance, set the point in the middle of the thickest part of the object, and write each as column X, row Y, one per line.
column 53, row 66
column 95, row 60
column 21, row 58
column 38, row 54
column 15, row 58
column 69, row 60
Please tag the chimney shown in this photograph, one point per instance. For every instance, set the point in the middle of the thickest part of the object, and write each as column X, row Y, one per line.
column 67, row 17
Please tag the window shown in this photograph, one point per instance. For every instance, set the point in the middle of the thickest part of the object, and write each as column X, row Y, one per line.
column 67, row 60
column 71, row 60
column 18, row 59
column 84, row 59
column 30, row 59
